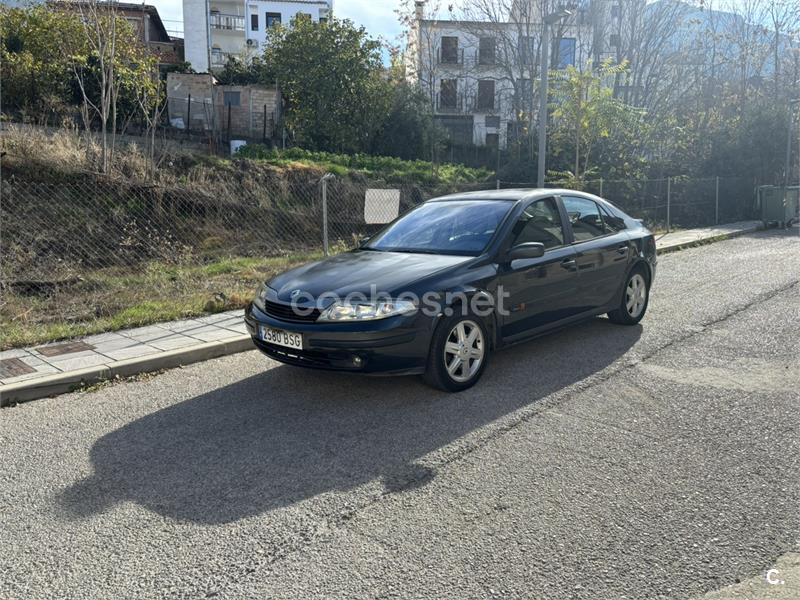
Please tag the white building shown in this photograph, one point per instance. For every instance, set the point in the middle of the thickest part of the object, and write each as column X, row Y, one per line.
column 214, row 30
column 482, row 77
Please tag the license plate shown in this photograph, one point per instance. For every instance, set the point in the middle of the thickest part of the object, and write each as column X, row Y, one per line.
column 282, row 338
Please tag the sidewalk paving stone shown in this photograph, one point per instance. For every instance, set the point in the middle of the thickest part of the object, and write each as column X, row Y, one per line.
column 171, row 342
column 79, row 362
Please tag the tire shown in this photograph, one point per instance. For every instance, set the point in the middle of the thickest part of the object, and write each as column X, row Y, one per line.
column 449, row 349
column 635, row 299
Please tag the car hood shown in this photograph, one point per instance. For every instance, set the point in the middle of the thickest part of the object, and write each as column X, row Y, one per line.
column 356, row 271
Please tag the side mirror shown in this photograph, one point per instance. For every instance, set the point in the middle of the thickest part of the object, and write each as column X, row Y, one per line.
column 526, row 250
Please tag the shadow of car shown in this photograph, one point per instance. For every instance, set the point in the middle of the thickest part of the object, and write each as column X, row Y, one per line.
column 283, row 436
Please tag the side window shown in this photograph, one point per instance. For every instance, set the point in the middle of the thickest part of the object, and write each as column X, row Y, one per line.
column 541, row 222
column 584, row 215
column 613, row 224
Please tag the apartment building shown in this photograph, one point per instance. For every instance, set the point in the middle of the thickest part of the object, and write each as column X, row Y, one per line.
column 215, row 30
column 482, row 76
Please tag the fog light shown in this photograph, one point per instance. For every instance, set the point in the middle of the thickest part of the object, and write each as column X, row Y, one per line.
column 357, row 361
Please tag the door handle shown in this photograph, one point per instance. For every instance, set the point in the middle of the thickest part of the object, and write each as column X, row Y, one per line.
column 568, row 263
column 623, row 249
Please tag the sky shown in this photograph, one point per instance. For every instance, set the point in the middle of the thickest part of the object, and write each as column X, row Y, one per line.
column 377, row 16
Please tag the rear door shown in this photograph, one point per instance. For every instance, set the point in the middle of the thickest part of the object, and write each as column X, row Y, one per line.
column 536, row 292
column 602, row 251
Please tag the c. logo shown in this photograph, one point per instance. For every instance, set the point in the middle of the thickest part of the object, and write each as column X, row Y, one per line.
column 773, row 577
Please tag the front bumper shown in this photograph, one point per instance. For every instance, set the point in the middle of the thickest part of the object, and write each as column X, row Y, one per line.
column 395, row 345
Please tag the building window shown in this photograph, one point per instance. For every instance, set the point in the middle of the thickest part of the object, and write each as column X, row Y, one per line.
column 486, row 51
column 492, row 140
column 231, row 98
column 253, row 22
column 615, row 10
column 448, row 95
column 273, row 19
column 492, row 121
column 485, row 94
column 449, row 52
column 614, row 40
column 566, row 53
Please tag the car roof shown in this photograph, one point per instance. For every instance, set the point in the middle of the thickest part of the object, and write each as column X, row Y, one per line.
column 514, row 194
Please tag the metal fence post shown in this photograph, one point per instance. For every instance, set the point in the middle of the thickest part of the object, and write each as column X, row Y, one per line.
column 601, row 188
column 188, row 113
column 325, row 179
column 716, row 202
column 498, row 184
column 669, row 192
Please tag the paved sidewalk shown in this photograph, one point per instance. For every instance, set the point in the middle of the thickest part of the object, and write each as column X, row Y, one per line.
column 667, row 242
column 29, row 373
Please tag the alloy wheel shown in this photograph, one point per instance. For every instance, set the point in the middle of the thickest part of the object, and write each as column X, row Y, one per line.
column 464, row 351
column 635, row 295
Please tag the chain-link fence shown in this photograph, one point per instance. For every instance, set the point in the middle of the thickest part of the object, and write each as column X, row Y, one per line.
column 93, row 253
column 673, row 202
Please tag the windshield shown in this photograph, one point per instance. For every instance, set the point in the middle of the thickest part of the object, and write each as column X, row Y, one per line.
column 452, row 227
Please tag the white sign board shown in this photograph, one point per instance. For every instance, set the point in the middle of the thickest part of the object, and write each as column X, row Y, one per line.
column 381, row 206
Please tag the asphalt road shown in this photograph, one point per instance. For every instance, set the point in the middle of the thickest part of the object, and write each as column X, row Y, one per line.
column 658, row 461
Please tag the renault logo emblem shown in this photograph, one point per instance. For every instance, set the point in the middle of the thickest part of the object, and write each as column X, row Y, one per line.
column 294, row 294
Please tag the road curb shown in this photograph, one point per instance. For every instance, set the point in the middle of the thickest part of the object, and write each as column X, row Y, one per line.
column 708, row 240
column 60, row 383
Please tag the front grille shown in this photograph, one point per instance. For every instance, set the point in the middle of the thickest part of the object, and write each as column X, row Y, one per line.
column 285, row 312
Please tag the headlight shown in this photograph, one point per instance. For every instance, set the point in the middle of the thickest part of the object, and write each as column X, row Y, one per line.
column 366, row 311
column 261, row 294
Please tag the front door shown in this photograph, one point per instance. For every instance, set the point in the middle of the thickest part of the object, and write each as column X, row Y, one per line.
column 602, row 249
column 536, row 292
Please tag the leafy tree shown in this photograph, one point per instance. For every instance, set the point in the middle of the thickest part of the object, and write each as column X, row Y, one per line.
column 41, row 48
column 34, row 72
column 408, row 130
column 332, row 81
column 587, row 117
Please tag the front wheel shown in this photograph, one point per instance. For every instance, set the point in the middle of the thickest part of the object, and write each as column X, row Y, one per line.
column 634, row 300
column 458, row 354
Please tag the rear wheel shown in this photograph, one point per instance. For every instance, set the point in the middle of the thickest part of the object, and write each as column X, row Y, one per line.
column 458, row 353
column 634, row 300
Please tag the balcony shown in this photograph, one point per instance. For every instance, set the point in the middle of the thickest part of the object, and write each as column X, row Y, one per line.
column 225, row 22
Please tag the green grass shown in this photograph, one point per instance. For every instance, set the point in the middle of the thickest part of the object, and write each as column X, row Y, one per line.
column 113, row 299
column 382, row 167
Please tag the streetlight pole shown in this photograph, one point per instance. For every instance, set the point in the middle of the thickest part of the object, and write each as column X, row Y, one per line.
column 548, row 20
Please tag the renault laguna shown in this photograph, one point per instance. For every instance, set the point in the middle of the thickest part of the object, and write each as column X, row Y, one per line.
column 454, row 279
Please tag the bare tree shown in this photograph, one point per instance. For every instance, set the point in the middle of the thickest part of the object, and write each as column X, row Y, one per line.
column 152, row 103
column 107, row 42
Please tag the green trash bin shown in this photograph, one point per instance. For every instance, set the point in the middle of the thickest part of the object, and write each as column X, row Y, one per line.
column 776, row 211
